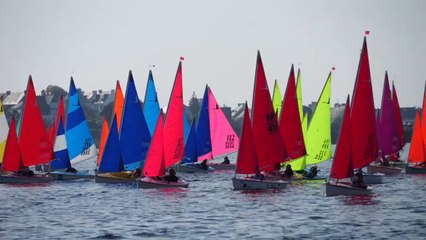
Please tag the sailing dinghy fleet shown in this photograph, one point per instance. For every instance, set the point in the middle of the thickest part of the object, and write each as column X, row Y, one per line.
column 141, row 143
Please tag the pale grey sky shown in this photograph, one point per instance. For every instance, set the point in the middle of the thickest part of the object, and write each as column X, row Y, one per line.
column 99, row 41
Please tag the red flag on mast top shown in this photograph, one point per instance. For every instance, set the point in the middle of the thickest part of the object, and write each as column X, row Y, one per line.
column 182, row 58
column 367, row 32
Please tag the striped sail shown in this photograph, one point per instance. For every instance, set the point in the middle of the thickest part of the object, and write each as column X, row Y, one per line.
column 79, row 139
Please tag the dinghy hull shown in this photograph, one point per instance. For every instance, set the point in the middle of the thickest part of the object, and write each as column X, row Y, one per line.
column 376, row 178
column 113, row 178
column 415, row 170
column 38, row 178
column 257, row 184
column 192, row 168
column 383, row 169
column 219, row 166
column 58, row 175
column 149, row 183
column 336, row 189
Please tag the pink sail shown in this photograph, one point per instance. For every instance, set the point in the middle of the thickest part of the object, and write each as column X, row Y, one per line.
column 154, row 163
column 267, row 139
column 388, row 137
column 364, row 140
column 247, row 159
column 12, row 158
column 342, row 161
column 290, row 124
column 224, row 140
column 35, row 145
column 398, row 116
column 173, row 126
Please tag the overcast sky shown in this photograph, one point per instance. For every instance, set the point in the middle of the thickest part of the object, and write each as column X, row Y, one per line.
column 98, row 42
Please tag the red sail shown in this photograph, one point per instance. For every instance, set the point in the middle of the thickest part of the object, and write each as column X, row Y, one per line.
column 423, row 124
column 364, row 141
column 35, row 145
column 173, row 126
column 290, row 124
column 154, row 163
column 246, row 160
column 417, row 151
column 342, row 161
column 398, row 115
column 12, row 160
column 267, row 139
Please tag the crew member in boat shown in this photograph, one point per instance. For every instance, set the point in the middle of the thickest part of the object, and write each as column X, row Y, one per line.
column 313, row 171
column 25, row 172
column 385, row 161
column 288, row 172
column 71, row 170
column 137, row 173
column 226, row 160
column 171, row 177
column 358, row 181
column 203, row 165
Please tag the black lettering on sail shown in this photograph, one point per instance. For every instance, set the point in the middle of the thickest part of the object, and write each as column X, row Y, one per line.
column 229, row 141
column 86, row 148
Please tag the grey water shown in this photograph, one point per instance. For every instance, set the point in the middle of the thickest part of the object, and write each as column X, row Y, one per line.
column 210, row 209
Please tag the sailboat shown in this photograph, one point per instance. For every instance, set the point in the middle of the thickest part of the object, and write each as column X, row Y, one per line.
column 364, row 135
column 247, row 163
column 417, row 155
column 60, row 166
column 387, row 133
column 134, row 132
column 290, row 123
column 167, row 147
column 342, row 166
column 189, row 162
column 111, row 167
column 4, row 129
column 34, row 147
column 81, row 145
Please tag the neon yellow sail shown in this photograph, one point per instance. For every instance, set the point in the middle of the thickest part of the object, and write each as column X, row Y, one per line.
column 299, row 97
column 4, row 130
column 277, row 100
column 318, row 134
column 318, row 144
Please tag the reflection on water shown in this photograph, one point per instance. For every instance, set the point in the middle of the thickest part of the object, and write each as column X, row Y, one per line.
column 209, row 208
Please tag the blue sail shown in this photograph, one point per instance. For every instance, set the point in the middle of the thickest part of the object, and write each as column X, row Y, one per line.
column 151, row 109
column 191, row 146
column 79, row 139
column 111, row 160
column 186, row 127
column 204, row 145
column 134, row 136
column 62, row 159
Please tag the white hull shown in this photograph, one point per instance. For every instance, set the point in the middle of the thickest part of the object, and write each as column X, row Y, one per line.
column 148, row 183
column 383, row 169
column 336, row 189
column 219, row 166
column 257, row 184
column 37, row 178
column 192, row 168
column 109, row 178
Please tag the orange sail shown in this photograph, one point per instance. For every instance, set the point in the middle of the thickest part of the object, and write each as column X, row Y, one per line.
column 290, row 124
column 154, row 163
column 417, row 151
column 35, row 145
column 364, row 141
column 104, row 136
column 118, row 104
column 12, row 160
column 267, row 139
column 173, row 126
column 247, row 159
